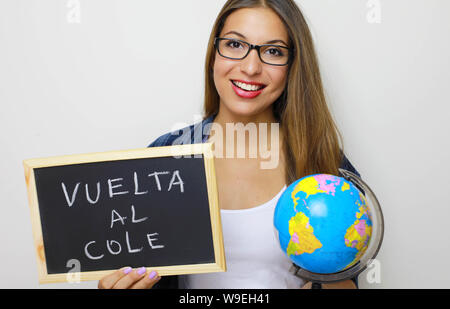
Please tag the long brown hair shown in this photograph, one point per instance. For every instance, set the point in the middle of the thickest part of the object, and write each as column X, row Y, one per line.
column 312, row 140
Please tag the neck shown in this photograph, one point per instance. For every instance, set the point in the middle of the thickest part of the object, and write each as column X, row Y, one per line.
column 224, row 116
column 258, row 134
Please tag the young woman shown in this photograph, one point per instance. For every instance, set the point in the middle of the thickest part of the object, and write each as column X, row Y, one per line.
column 261, row 71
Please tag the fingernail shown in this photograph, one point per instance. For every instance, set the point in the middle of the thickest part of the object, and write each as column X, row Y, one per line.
column 152, row 275
column 127, row 270
column 141, row 271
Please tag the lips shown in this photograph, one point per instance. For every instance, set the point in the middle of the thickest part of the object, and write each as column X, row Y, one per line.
column 247, row 89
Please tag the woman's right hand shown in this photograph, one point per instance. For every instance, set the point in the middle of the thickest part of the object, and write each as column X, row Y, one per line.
column 128, row 278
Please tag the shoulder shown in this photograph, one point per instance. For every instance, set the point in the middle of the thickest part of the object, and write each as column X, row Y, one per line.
column 347, row 165
column 170, row 138
column 194, row 133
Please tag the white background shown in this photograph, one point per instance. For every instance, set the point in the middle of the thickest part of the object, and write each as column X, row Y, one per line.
column 116, row 79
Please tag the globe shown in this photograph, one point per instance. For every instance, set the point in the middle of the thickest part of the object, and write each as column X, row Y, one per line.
column 323, row 223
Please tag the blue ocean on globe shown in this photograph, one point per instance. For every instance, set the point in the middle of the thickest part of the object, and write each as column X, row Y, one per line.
column 323, row 223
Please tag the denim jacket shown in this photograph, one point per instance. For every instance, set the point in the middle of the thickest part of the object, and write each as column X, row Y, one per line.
column 193, row 134
column 199, row 133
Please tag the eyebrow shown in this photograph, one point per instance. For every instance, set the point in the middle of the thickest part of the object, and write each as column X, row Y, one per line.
column 243, row 36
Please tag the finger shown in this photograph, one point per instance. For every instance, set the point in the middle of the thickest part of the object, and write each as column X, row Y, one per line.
column 130, row 279
column 147, row 282
column 308, row 285
column 347, row 284
column 110, row 280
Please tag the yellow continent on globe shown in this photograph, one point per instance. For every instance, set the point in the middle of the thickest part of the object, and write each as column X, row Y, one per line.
column 358, row 234
column 302, row 236
column 345, row 186
column 363, row 208
column 308, row 185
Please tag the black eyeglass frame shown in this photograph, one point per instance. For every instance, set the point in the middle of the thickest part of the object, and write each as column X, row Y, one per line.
column 258, row 49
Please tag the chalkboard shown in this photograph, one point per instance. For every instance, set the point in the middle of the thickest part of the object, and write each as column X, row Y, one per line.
column 154, row 207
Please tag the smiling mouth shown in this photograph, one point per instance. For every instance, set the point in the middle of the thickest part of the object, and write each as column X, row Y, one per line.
column 248, row 87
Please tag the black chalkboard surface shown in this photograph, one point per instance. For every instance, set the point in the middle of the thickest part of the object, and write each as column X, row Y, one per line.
column 152, row 207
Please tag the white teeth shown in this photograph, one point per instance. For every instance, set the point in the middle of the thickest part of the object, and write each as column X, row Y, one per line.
column 247, row 86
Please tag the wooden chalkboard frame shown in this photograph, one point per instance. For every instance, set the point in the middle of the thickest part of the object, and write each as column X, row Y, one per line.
column 165, row 151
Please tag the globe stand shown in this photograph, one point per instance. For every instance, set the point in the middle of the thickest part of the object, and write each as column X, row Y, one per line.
column 372, row 248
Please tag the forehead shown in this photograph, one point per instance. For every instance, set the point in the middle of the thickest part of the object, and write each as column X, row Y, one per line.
column 256, row 24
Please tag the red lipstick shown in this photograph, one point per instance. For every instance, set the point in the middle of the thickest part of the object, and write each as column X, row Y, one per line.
column 245, row 93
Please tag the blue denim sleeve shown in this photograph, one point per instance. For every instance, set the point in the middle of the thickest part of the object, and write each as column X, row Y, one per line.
column 177, row 137
column 160, row 141
column 346, row 165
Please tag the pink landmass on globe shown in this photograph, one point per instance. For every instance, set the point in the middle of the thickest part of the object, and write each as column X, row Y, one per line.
column 295, row 238
column 361, row 227
column 327, row 183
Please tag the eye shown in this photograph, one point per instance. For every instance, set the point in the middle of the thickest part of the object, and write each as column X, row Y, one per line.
column 275, row 52
column 233, row 44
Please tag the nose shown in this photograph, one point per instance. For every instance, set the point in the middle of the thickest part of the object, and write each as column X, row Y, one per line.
column 251, row 64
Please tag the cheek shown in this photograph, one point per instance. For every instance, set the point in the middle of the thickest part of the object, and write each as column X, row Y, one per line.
column 279, row 80
column 279, row 77
column 221, row 65
column 221, row 70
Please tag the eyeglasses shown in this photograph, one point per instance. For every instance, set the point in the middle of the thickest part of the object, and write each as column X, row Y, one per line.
column 237, row 50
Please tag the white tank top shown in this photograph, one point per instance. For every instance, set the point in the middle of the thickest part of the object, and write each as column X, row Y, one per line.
column 253, row 255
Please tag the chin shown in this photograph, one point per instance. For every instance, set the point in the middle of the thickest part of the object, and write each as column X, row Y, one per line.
column 245, row 109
